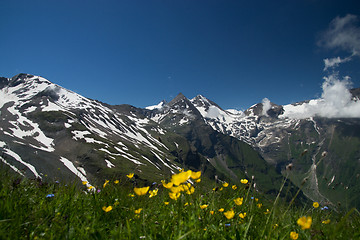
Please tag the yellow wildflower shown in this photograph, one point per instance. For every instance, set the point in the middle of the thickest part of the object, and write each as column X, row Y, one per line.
column 90, row 187
column 106, row 182
column 244, row 181
column 198, row 180
column 315, row 204
column 166, row 203
column 256, row 199
column 326, row 221
column 238, row 201
column 221, row 210
column 174, row 196
column 242, row 215
column 267, row 211
column 181, row 177
column 84, row 182
column 167, row 185
column 138, row 211
column 294, row 235
column 131, row 195
column 229, row 214
column 191, row 190
column 184, row 187
column 212, row 212
column 225, row 184
column 107, row 209
column 141, row 191
column 176, row 189
column 304, row 222
column 234, row 187
column 195, row 175
column 221, row 189
column 153, row 193
column 116, row 181
column 130, row 175
column 259, row 205
column 203, row 206
column 186, row 204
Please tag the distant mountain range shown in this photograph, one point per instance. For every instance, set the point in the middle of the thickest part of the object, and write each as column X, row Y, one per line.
column 50, row 132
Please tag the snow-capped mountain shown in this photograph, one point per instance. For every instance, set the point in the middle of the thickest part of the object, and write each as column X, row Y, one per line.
column 45, row 127
column 47, row 131
column 319, row 150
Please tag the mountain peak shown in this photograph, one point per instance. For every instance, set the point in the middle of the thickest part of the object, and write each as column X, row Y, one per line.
column 201, row 101
column 22, row 76
column 178, row 98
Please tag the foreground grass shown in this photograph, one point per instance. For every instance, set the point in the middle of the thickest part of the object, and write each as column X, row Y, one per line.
column 30, row 209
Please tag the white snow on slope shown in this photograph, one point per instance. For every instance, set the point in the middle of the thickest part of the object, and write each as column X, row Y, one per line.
column 18, row 126
column 109, row 164
column 18, row 158
column 74, row 170
column 11, row 166
column 24, row 91
column 158, row 106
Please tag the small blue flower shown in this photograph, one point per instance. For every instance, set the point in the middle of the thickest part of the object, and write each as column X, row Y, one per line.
column 324, row 208
column 50, row 195
column 252, row 197
column 227, row 224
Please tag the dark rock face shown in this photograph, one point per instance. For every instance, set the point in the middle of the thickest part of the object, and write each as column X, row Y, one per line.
column 3, row 82
column 355, row 92
column 275, row 111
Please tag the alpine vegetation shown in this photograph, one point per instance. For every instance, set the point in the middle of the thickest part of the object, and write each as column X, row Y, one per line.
column 180, row 207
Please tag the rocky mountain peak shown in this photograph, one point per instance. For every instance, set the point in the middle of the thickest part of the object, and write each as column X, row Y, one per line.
column 259, row 110
column 201, row 101
column 178, row 98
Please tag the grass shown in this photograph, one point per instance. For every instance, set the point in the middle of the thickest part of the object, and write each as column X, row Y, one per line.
column 29, row 211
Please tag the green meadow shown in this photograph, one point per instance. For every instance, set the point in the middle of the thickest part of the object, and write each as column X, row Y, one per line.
column 192, row 209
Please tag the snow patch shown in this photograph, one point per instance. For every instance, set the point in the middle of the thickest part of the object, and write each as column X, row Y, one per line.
column 109, row 164
column 18, row 158
column 158, row 106
column 69, row 165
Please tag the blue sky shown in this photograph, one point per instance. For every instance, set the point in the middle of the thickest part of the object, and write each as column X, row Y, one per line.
column 140, row 52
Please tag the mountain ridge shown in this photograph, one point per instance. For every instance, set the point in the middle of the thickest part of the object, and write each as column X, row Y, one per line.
column 92, row 141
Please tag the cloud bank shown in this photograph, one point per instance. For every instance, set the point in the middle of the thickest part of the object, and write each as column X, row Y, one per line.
column 336, row 100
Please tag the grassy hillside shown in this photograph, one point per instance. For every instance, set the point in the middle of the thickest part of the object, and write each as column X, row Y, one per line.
column 32, row 209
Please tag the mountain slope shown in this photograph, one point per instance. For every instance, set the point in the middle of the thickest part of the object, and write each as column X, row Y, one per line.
column 323, row 152
column 47, row 131
column 50, row 132
column 45, row 127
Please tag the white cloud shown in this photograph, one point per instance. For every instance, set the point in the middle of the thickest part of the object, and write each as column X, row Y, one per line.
column 334, row 62
column 335, row 102
column 266, row 106
column 343, row 34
